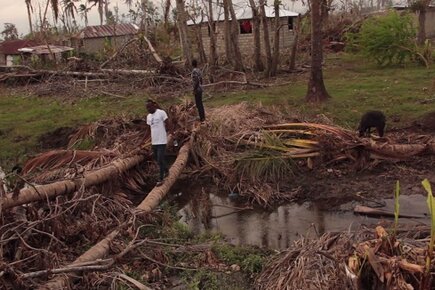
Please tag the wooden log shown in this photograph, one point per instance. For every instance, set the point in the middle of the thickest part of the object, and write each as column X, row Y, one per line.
column 47, row 191
column 153, row 51
column 365, row 210
column 124, row 46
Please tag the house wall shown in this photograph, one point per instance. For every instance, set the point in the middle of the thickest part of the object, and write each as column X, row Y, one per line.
column 2, row 59
column 95, row 45
column 246, row 41
column 10, row 59
column 430, row 23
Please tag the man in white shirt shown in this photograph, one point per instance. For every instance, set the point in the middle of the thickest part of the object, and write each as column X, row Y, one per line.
column 157, row 119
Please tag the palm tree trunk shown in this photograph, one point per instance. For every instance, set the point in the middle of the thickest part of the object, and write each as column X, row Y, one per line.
column 266, row 39
column 227, row 29
column 421, row 35
column 200, row 44
column 234, row 37
column 106, row 9
column 51, row 190
column 275, row 58
column 101, row 249
column 258, row 64
column 182, row 28
column 29, row 15
column 213, row 46
column 316, row 86
column 100, row 11
column 297, row 31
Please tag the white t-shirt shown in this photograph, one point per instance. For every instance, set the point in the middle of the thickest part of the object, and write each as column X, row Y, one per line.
column 157, row 124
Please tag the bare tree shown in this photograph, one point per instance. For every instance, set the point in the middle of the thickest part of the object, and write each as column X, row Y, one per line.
column 316, row 86
column 297, row 31
column 198, row 13
column 166, row 10
column 29, row 14
column 9, row 32
column 256, row 20
column 227, row 33
column 234, row 37
column 266, row 38
column 275, row 57
column 420, row 6
column 99, row 4
column 83, row 9
column 213, row 41
column 144, row 14
column 182, row 28
column 106, row 10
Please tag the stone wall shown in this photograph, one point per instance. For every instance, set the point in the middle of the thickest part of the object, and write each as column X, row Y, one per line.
column 430, row 23
column 94, row 45
column 246, row 41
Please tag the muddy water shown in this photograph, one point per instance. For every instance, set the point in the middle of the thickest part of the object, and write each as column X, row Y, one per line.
column 278, row 228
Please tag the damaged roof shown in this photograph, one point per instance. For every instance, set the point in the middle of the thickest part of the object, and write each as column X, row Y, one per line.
column 12, row 46
column 98, row 31
column 243, row 13
column 43, row 49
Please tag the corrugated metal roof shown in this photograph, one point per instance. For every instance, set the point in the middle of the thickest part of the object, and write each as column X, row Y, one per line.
column 12, row 46
column 98, row 31
column 244, row 12
column 43, row 49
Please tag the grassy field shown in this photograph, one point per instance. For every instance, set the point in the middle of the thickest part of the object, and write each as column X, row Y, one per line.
column 24, row 119
column 355, row 86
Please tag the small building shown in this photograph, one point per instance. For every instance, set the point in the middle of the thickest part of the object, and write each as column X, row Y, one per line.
column 430, row 18
column 246, row 37
column 9, row 51
column 45, row 52
column 93, row 39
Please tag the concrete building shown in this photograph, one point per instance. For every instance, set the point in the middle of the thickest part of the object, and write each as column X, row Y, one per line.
column 430, row 18
column 44, row 52
column 9, row 51
column 246, row 37
column 93, row 39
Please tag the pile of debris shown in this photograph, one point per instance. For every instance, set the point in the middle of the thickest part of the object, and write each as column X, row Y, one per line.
column 354, row 260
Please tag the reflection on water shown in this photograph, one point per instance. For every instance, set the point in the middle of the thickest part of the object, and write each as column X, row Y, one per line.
column 278, row 228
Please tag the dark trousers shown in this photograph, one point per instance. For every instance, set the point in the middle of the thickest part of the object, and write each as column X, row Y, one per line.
column 199, row 105
column 159, row 157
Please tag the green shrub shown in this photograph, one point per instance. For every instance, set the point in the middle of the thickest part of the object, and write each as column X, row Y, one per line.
column 387, row 39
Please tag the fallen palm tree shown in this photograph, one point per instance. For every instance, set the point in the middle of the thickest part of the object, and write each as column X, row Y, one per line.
column 261, row 150
column 43, row 192
column 65, row 219
column 101, row 249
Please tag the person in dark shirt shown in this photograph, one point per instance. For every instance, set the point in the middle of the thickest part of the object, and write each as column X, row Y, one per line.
column 197, row 89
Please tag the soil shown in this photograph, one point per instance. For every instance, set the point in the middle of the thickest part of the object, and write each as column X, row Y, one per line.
column 426, row 122
column 57, row 139
column 337, row 184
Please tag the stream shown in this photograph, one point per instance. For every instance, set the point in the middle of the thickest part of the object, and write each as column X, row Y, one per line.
column 279, row 227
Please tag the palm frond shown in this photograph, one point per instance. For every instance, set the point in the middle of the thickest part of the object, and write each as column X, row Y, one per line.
column 57, row 158
column 263, row 165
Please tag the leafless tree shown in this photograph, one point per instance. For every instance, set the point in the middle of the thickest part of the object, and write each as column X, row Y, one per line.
column 316, row 86
column 256, row 21
column 182, row 29
column 266, row 38
column 29, row 14
column 234, row 37
column 275, row 57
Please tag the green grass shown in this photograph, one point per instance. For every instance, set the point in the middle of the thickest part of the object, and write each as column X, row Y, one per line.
column 24, row 119
column 355, row 87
